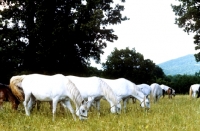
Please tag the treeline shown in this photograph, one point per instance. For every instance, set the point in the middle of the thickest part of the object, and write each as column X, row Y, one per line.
column 129, row 64
column 181, row 83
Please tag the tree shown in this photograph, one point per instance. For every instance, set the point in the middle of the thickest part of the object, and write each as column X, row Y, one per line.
column 158, row 72
column 188, row 18
column 56, row 35
column 130, row 65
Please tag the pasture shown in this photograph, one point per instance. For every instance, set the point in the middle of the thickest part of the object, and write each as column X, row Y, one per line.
column 180, row 113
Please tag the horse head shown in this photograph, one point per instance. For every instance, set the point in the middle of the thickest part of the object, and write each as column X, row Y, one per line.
column 116, row 108
column 82, row 111
column 145, row 103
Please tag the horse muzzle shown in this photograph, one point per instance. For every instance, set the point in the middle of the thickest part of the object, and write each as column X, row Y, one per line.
column 82, row 117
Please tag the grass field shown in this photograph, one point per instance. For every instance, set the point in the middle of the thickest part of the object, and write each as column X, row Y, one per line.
column 178, row 114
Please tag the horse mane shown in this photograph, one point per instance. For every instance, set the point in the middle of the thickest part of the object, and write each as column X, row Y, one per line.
column 75, row 94
column 108, row 92
column 135, row 88
column 15, row 83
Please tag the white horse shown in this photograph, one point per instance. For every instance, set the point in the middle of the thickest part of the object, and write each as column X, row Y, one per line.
column 164, row 87
column 146, row 89
column 56, row 88
column 194, row 89
column 156, row 92
column 93, row 89
column 124, row 89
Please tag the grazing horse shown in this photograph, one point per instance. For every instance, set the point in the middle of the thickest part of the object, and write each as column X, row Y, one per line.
column 124, row 89
column 7, row 95
column 194, row 89
column 93, row 89
column 146, row 89
column 55, row 88
column 156, row 92
column 168, row 90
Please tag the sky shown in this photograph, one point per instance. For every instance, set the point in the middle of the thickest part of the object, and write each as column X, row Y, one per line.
column 152, row 31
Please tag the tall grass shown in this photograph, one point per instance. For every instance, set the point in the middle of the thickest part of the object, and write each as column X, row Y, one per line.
column 178, row 114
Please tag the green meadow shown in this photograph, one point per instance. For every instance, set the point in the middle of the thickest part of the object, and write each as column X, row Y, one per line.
column 177, row 114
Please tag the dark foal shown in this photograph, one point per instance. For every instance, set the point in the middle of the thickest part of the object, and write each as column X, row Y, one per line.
column 7, row 95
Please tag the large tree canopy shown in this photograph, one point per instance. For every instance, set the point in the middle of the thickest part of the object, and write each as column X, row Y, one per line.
column 131, row 65
column 188, row 18
column 55, row 35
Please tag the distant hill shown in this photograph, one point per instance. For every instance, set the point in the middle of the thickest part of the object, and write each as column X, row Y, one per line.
column 182, row 65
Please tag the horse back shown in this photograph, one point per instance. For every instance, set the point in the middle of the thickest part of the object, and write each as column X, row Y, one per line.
column 87, row 85
column 45, row 87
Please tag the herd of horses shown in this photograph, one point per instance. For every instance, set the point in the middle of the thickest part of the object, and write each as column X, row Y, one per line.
column 82, row 91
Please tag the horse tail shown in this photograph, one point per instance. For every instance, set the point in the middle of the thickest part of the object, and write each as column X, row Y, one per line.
column 108, row 92
column 190, row 92
column 15, row 83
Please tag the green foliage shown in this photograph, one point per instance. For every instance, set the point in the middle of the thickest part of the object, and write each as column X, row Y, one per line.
column 158, row 72
column 188, row 18
column 57, row 35
column 130, row 65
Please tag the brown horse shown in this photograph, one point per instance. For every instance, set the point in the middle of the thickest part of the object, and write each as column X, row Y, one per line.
column 169, row 92
column 7, row 95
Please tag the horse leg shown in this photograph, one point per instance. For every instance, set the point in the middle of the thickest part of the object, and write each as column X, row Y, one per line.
column 134, row 100
column 15, row 104
column 37, row 103
column 94, row 104
column 67, row 104
column 90, row 101
column 98, row 105
column 54, row 103
column 124, row 104
column 1, row 103
column 1, row 99
column 26, row 100
column 194, row 94
column 155, row 99
column 31, row 102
